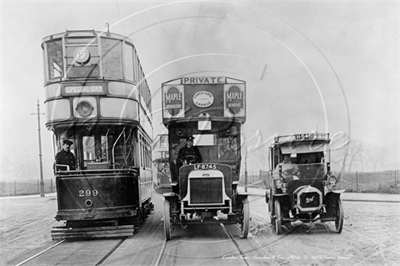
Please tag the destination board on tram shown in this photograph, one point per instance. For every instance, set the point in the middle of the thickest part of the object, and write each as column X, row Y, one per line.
column 78, row 89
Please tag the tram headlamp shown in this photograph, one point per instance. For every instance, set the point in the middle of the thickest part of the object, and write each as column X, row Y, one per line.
column 84, row 108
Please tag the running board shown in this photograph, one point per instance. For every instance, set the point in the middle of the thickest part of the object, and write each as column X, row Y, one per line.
column 63, row 232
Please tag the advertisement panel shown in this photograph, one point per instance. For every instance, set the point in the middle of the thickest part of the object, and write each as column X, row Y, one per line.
column 199, row 98
column 173, row 101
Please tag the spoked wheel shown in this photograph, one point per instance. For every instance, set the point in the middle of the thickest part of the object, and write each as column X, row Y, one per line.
column 246, row 219
column 278, row 218
column 339, row 217
column 167, row 220
column 270, row 206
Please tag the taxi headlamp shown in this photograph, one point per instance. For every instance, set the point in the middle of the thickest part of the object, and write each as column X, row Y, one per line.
column 332, row 180
column 278, row 183
column 284, row 187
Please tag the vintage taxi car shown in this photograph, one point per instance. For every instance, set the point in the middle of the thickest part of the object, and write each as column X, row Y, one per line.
column 304, row 188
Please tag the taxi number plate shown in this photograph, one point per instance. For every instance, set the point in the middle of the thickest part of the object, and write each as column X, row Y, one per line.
column 304, row 136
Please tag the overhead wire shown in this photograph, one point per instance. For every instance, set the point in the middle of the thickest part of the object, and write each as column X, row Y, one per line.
column 194, row 33
column 120, row 18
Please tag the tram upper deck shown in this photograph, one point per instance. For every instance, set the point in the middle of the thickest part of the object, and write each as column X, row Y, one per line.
column 93, row 76
column 97, row 96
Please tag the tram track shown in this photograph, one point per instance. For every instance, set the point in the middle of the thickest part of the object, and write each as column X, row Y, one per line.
column 40, row 253
column 111, row 251
column 242, row 254
column 64, row 241
column 220, row 249
column 177, row 259
column 157, row 263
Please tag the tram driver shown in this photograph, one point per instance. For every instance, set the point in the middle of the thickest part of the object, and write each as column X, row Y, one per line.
column 65, row 157
column 188, row 154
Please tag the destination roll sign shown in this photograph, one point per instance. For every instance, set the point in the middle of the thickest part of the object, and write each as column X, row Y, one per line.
column 79, row 89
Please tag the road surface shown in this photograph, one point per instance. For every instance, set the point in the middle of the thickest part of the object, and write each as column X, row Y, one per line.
column 371, row 236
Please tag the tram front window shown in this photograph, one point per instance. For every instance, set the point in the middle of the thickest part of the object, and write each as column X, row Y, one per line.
column 54, row 60
column 112, row 58
column 95, row 151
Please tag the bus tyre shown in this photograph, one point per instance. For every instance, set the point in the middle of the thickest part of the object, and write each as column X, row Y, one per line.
column 167, row 220
column 246, row 219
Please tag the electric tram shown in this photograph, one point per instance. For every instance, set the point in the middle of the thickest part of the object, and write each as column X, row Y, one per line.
column 210, row 110
column 97, row 97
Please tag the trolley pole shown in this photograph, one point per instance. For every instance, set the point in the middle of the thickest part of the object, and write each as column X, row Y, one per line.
column 40, row 150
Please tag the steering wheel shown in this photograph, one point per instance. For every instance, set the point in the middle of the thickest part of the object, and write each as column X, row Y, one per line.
column 190, row 159
column 293, row 174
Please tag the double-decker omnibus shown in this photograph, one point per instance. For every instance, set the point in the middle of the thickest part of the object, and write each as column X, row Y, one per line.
column 212, row 111
column 97, row 97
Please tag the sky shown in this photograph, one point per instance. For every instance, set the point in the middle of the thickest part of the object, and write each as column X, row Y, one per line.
column 308, row 65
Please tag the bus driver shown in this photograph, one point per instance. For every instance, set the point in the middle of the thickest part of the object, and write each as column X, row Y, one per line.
column 188, row 151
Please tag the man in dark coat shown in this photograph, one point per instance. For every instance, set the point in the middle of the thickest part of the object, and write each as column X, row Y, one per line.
column 65, row 157
column 189, row 153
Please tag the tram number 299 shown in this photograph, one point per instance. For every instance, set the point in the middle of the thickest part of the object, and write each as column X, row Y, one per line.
column 88, row 193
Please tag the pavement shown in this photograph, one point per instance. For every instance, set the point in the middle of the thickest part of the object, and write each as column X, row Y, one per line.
column 46, row 195
column 346, row 196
